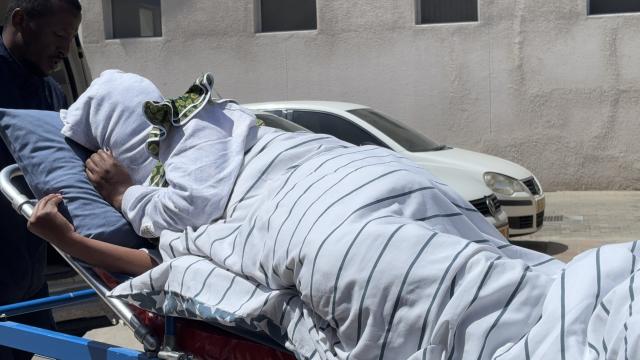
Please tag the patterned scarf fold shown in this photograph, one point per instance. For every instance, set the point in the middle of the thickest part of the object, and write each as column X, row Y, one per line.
column 173, row 112
column 177, row 111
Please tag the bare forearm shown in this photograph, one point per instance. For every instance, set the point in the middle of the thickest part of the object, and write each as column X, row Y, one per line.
column 106, row 256
column 47, row 222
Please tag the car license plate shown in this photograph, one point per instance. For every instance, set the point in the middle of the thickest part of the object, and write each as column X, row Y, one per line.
column 540, row 205
column 504, row 231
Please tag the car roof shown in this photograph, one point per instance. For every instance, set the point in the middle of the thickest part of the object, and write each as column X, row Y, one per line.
column 307, row 104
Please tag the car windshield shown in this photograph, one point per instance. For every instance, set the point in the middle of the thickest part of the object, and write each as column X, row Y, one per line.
column 279, row 123
column 405, row 137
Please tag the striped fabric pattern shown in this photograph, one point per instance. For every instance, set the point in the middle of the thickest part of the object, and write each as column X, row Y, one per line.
column 343, row 252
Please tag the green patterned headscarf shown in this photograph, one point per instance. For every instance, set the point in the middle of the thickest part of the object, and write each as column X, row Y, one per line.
column 177, row 111
column 170, row 113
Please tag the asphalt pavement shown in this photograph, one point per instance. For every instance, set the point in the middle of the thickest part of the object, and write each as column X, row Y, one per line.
column 576, row 221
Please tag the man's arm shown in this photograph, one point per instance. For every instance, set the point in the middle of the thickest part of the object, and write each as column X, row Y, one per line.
column 47, row 222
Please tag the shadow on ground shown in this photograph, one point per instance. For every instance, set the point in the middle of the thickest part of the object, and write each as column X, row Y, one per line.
column 549, row 248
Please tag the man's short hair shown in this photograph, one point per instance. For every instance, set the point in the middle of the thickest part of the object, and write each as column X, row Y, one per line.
column 39, row 8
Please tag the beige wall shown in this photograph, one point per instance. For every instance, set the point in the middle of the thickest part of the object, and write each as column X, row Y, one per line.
column 536, row 82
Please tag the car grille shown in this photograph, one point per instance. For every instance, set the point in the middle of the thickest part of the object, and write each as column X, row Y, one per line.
column 525, row 222
column 521, row 222
column 532, row 185
column 482, row 206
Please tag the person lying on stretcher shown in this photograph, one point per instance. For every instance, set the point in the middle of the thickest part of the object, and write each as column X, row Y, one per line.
column 428, row 279
column 193, row 147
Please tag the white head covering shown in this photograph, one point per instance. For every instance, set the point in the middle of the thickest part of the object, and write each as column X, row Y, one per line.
column 109, row 115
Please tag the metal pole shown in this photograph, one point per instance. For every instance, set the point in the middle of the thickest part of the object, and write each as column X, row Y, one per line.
column 50, row 302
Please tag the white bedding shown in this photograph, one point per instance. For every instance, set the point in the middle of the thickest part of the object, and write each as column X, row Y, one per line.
column 343, row 252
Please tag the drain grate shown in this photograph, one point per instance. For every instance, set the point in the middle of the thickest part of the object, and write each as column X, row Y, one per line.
column 554, row 218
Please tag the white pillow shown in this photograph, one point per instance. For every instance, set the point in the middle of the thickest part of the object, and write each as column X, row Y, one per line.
column 109, row 115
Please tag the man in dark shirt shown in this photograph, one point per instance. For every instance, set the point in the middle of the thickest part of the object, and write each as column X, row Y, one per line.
column 35, row 39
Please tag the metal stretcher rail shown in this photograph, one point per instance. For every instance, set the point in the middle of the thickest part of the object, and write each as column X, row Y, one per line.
column 24, row 206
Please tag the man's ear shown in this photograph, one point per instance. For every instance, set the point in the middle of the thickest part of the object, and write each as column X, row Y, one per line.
column 18, row 19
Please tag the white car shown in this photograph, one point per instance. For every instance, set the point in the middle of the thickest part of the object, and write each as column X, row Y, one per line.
column 481, row 179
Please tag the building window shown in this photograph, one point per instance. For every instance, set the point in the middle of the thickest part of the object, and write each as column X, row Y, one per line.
column 613, row 6
column 446, row 11
column 286, row 15
column 134, row 18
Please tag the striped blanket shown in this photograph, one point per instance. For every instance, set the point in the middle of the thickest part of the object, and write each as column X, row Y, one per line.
column 343, row 252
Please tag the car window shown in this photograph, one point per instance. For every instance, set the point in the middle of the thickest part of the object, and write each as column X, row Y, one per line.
column 279, row 123
column 405, row 137
column 343, row 129
column 279, row 113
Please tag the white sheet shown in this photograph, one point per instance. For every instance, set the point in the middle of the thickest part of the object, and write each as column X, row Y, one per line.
column 201, row 160
column 343, row 252
column 109, row 115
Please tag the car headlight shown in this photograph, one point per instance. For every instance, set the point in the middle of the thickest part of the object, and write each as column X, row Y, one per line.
column 503, row 184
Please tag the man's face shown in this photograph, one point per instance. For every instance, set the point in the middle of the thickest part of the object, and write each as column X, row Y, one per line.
column 47, row 39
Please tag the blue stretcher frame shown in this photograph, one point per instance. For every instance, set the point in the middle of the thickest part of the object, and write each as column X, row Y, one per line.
column 61, row 346
column 51, row 343
column 47, row 303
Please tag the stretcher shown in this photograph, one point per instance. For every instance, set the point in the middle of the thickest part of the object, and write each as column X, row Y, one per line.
column 161, row 337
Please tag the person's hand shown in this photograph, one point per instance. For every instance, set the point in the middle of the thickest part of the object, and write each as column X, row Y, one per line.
column 47, row 222
column 108, row 176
